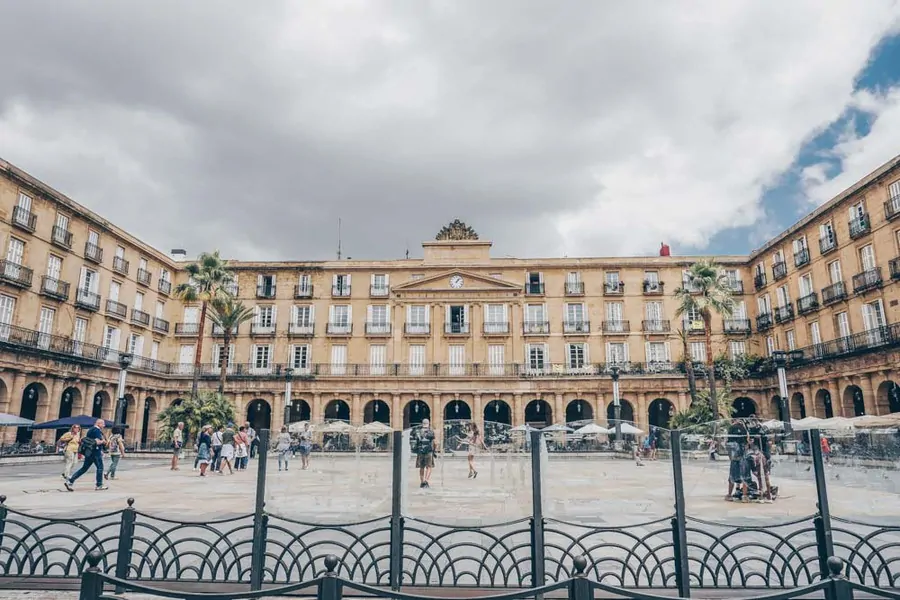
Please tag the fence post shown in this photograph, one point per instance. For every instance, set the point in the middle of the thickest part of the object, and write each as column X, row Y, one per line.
column 579, row 586
column 538, row 573
column 330, row 585
column 260, row 520
column 679, row 521
column 839, row 588
column 396, row 564
column 126, row 543
column 3, row 513
column 824, row 538
column 91, row 583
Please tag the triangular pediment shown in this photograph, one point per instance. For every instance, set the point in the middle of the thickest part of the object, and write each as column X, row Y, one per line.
column 457, row 280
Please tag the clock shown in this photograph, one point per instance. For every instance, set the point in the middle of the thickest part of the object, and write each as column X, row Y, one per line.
column 456, row 281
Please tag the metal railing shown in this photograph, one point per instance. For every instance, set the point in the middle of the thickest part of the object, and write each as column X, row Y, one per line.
column 187, row 328
column 873, row 339
column 160, row 325
column 737, row 325
column 867, row 280
column 894, row 267
column 262, row 328
column 808, row 303
column 860, row 226
column 892, row 208
column 759, row 281
column 616, row 326
column 456, row 328
column 653, row 288
column 61, row 237
column 144, row 276
column 378, row 328
column 417, row 329
column 120, row 265
column 54, row 288
column 611, row 288
column 785, row 313
column 24, row 218
column 340, row 291
column 536, row 327
column 379, row 291
column 140, row 318
column 15, row 274
column 218, row 331
column 339, row 328
column 301, row 328
column 265, row 291
column 115, row 309
column 801, row 258
column 827, row 244
column 764, row 322
column 495, row 328
column 534, row 289
column 656, row 326
column 93, row 252
column 164, row 286
column 582, row 326
column 574, row 288
column 305, row 291
column 87, row 299
column 833, row 293
column 736, row 286
column 779, row 270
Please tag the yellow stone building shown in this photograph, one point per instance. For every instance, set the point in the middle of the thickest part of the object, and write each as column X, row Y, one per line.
column 456, row 334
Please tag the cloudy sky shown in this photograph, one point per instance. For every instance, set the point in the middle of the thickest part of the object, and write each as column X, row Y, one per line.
column 553, row 128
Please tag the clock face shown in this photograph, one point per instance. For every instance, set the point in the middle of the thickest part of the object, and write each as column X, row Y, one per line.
column 456, row 281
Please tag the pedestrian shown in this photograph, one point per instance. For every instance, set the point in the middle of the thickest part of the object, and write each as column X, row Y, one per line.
column 252, row 442
column 241, row 449
column 305, row 446
column 204, row 444
column 217, row 448
column 70, row 442
column 475, row 442
column 91, row 447
column 826, row 448
column 283, row 447
column 177, row 444
column 738, row 477
column 227, row 455
column 116, row 447
column 425, row 449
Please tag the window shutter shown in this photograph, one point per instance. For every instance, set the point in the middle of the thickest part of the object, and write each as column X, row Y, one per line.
column 541, row 278
column 447, row 313
column 259, row 280
column 331, row 314
column 369, row 312
column 274, row 315
column 466, row 314
column 273, row 279
column 409, row 313
column 647, row 352
column 312, row 313
column 294, row 312
column 349, row 315
column 428, row 314
column 587, row 353
column 387, row 281
column 372, row 279
column 334, row 281
column 348, row 279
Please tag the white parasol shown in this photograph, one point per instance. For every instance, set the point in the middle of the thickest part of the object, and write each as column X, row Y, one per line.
column 592, row 429
column 8, row 420
column 376, row 427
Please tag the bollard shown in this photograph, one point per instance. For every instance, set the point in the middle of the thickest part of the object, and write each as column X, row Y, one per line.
column 260, row 520
column 580, row 587
column 91, row 583
column 330, row 586
column 126, row 543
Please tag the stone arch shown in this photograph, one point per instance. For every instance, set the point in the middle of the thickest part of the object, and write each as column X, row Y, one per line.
column 888, row 397
column 824, row 401
column 70, row 398
column 259, row 414
column 377, row 411
column 498, row 411
column 34, row 393
column 743, row 407
column 4, row 392
column 627, row 412
column 777, row 409
column 798, row 406
column 148, row 424
column 853, row 401
column 457, row 410
column 415, row 412
column 538, row 413
column 337, row 410
column 101, row 404
column 660, row 412
column 300, row 411
column 579, row 410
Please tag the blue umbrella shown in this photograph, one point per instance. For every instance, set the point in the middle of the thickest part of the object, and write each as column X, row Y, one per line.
column 83, row 420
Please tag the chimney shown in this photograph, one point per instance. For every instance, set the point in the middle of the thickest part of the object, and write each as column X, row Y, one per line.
column 664, row 249
column 178, row 254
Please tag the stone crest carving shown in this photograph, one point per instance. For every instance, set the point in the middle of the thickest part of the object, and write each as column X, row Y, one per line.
column 456, row 230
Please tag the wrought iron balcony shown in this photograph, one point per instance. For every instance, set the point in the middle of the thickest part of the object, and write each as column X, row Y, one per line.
column 303, row 291
column 379, row 291
column 140, row 318
column 574, row 288
column 54, row 288
column 340, row 291
column 534, row 289
column 764, row 322
column 120, row 265
column 801, row 258
column 496, row 328
column 143, row 276
column 220, row 332
column 536, row 327
column 894, row 266
column 417, row 329
column 779, row 270
column 892, row 208
column 164, row 286
column 737, row 325
column 695, row 327
column 827, row 244
column 860, row 226
column 807, row 304
column 160, row 325
column 653, row 288
column 87, row 299
column 577, row 327
column 15, row 274
column 93, row 252
column 116, row 310
column 265, row 291
column 302, row 328
column 456, row 328
column 262, row 328
column 378, row 328
column 23, row 218
column 338, row 329
column 785, row 313
column 61, row 237
column 867, row 280
column 759, row 280
column 612, row 288
column 614, row 327
column 834, row 293
column 735, row 285
column 187, row 328
column 656, row 326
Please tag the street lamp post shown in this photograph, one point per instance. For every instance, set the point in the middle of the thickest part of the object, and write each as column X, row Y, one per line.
column 124, row 362
column 617, row 405
column 288, row 378
column 780, row 357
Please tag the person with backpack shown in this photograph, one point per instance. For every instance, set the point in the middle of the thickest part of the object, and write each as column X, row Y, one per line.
column 116, row 448
column 425, row 452
column 91, row 448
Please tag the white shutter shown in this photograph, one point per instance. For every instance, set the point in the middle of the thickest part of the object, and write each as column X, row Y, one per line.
column 25, row 201
column 54, row 267
column 447, row 314
column 349, row 316
column 331, row 313
column 274, row 316
column 369, row 310
column 867, row 254
column 114, row 288
column 259, row 281
column 312, row 314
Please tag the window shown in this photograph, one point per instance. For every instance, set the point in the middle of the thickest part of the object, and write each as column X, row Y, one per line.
column 265, row 286
column 340, row 285
column 574, row 317
column 88, row 280
column 139, row 301
column 657, row 352
column 778, row 257
column 873, row 315
column 457, row 359
column 93, row 238
column 614, row 311
column 764, row 303
column 377, row 318
column 834, row 271
column 857, row 211
column 693, row 320
column 62, row 222
column 7, row 308
column 45, row 326
column 54, row 266
column 417, row 360
column 456, row 318
column 894, row 190
column 339, row 318
column 770, row 345
column 22, row 213
column 799, row 245
column 536, row 357
column 120, row 252
column 304, row 285
column 826, row 232
column 842, row 321
column 154, row 351
column 164, row 275
column 495, row 320
column 534, row 313
column 142, row 264
column 265, row 318
column 760, row 270
column 789, row 338
column 377, row 359
column 300, row 358
column 576, row 356
column 114, row 288
column 160, row 309
column 867, row 257
column 223, row 355
column 186, row 358
column 654, row 312
column 806, row 285
column 534, row 283
column 380, row 285
column 815, row 336
column 698, row 351
column 616, row 353
column 15, row 253
column 737, row 348
column 79, row 333
column 573, row 283
column 261, row 358
column 496, row 359
column 739, row 311
column 136, row 344
column 732, row 278
column 111, row 342
column 191, row 314
column 651, row 278
column 784, row 297
column 612, row 282
column 302, row 318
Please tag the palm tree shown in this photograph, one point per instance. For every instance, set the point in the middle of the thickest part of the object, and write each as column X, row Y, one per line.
column 705, row 292
column 688, row 365
column 228, row 314
column 208, row 278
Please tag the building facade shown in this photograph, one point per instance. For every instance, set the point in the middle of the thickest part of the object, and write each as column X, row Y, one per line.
column 456, row 334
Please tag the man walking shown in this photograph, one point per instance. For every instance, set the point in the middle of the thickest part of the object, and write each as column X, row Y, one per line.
column 425, row 452
column 253, row 443
column 92, row 449
column 177, row 444
column 217, row 439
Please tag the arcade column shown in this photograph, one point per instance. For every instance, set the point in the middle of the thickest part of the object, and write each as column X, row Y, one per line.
column 396, row 413
column 518, row 417
column 478, row 412
column 559, row 411
column 865, row 384
column 356, row 418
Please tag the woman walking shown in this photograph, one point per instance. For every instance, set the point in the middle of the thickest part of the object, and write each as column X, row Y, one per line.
column 241, row 449
column 227, row 450
column 283, row 447
column 204, row 449
column 70, row 442
column 305, row 446
column 475, row 442
column 116, row 448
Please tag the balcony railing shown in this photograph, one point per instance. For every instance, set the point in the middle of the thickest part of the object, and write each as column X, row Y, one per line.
column 54, row 288
column 338, row 329
column 873, row 339
column 614, row 327
column 894, row 266
column 867, row 280
column 613, row 288
column 61, row 237
column 456, row 328
column 15, row 274
column 218, row 331
column 116, row 310
column 93, row 252
column 120, row 265
column 164, row 286
column 737, row 325
column 143, row 276
column 574, row 288
column 834, row 293
column 378, row 328
column 496, row 328
column 759, row 280
column 653, row 288
column 860, row 226
column 303, row 328
column 785, row 313
column 827, row 244
column 536, row 327
column 379, row 291
column 656, row 326
column 140, row 318
column 50, row 345
column 764, row 322
column 735, row 285
column 779, row 271
column 801, row 258
column 187, row 328
column 340, row 291
column 693, row 327
column 262, row 328
column 265, row 291
column 417, row 329
column 24, row 219
column 580, row 327
column 304, row 291
column 87, row 299
column 807, row 304
column 534, row 289
column 160, row 325
column 892, row 208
